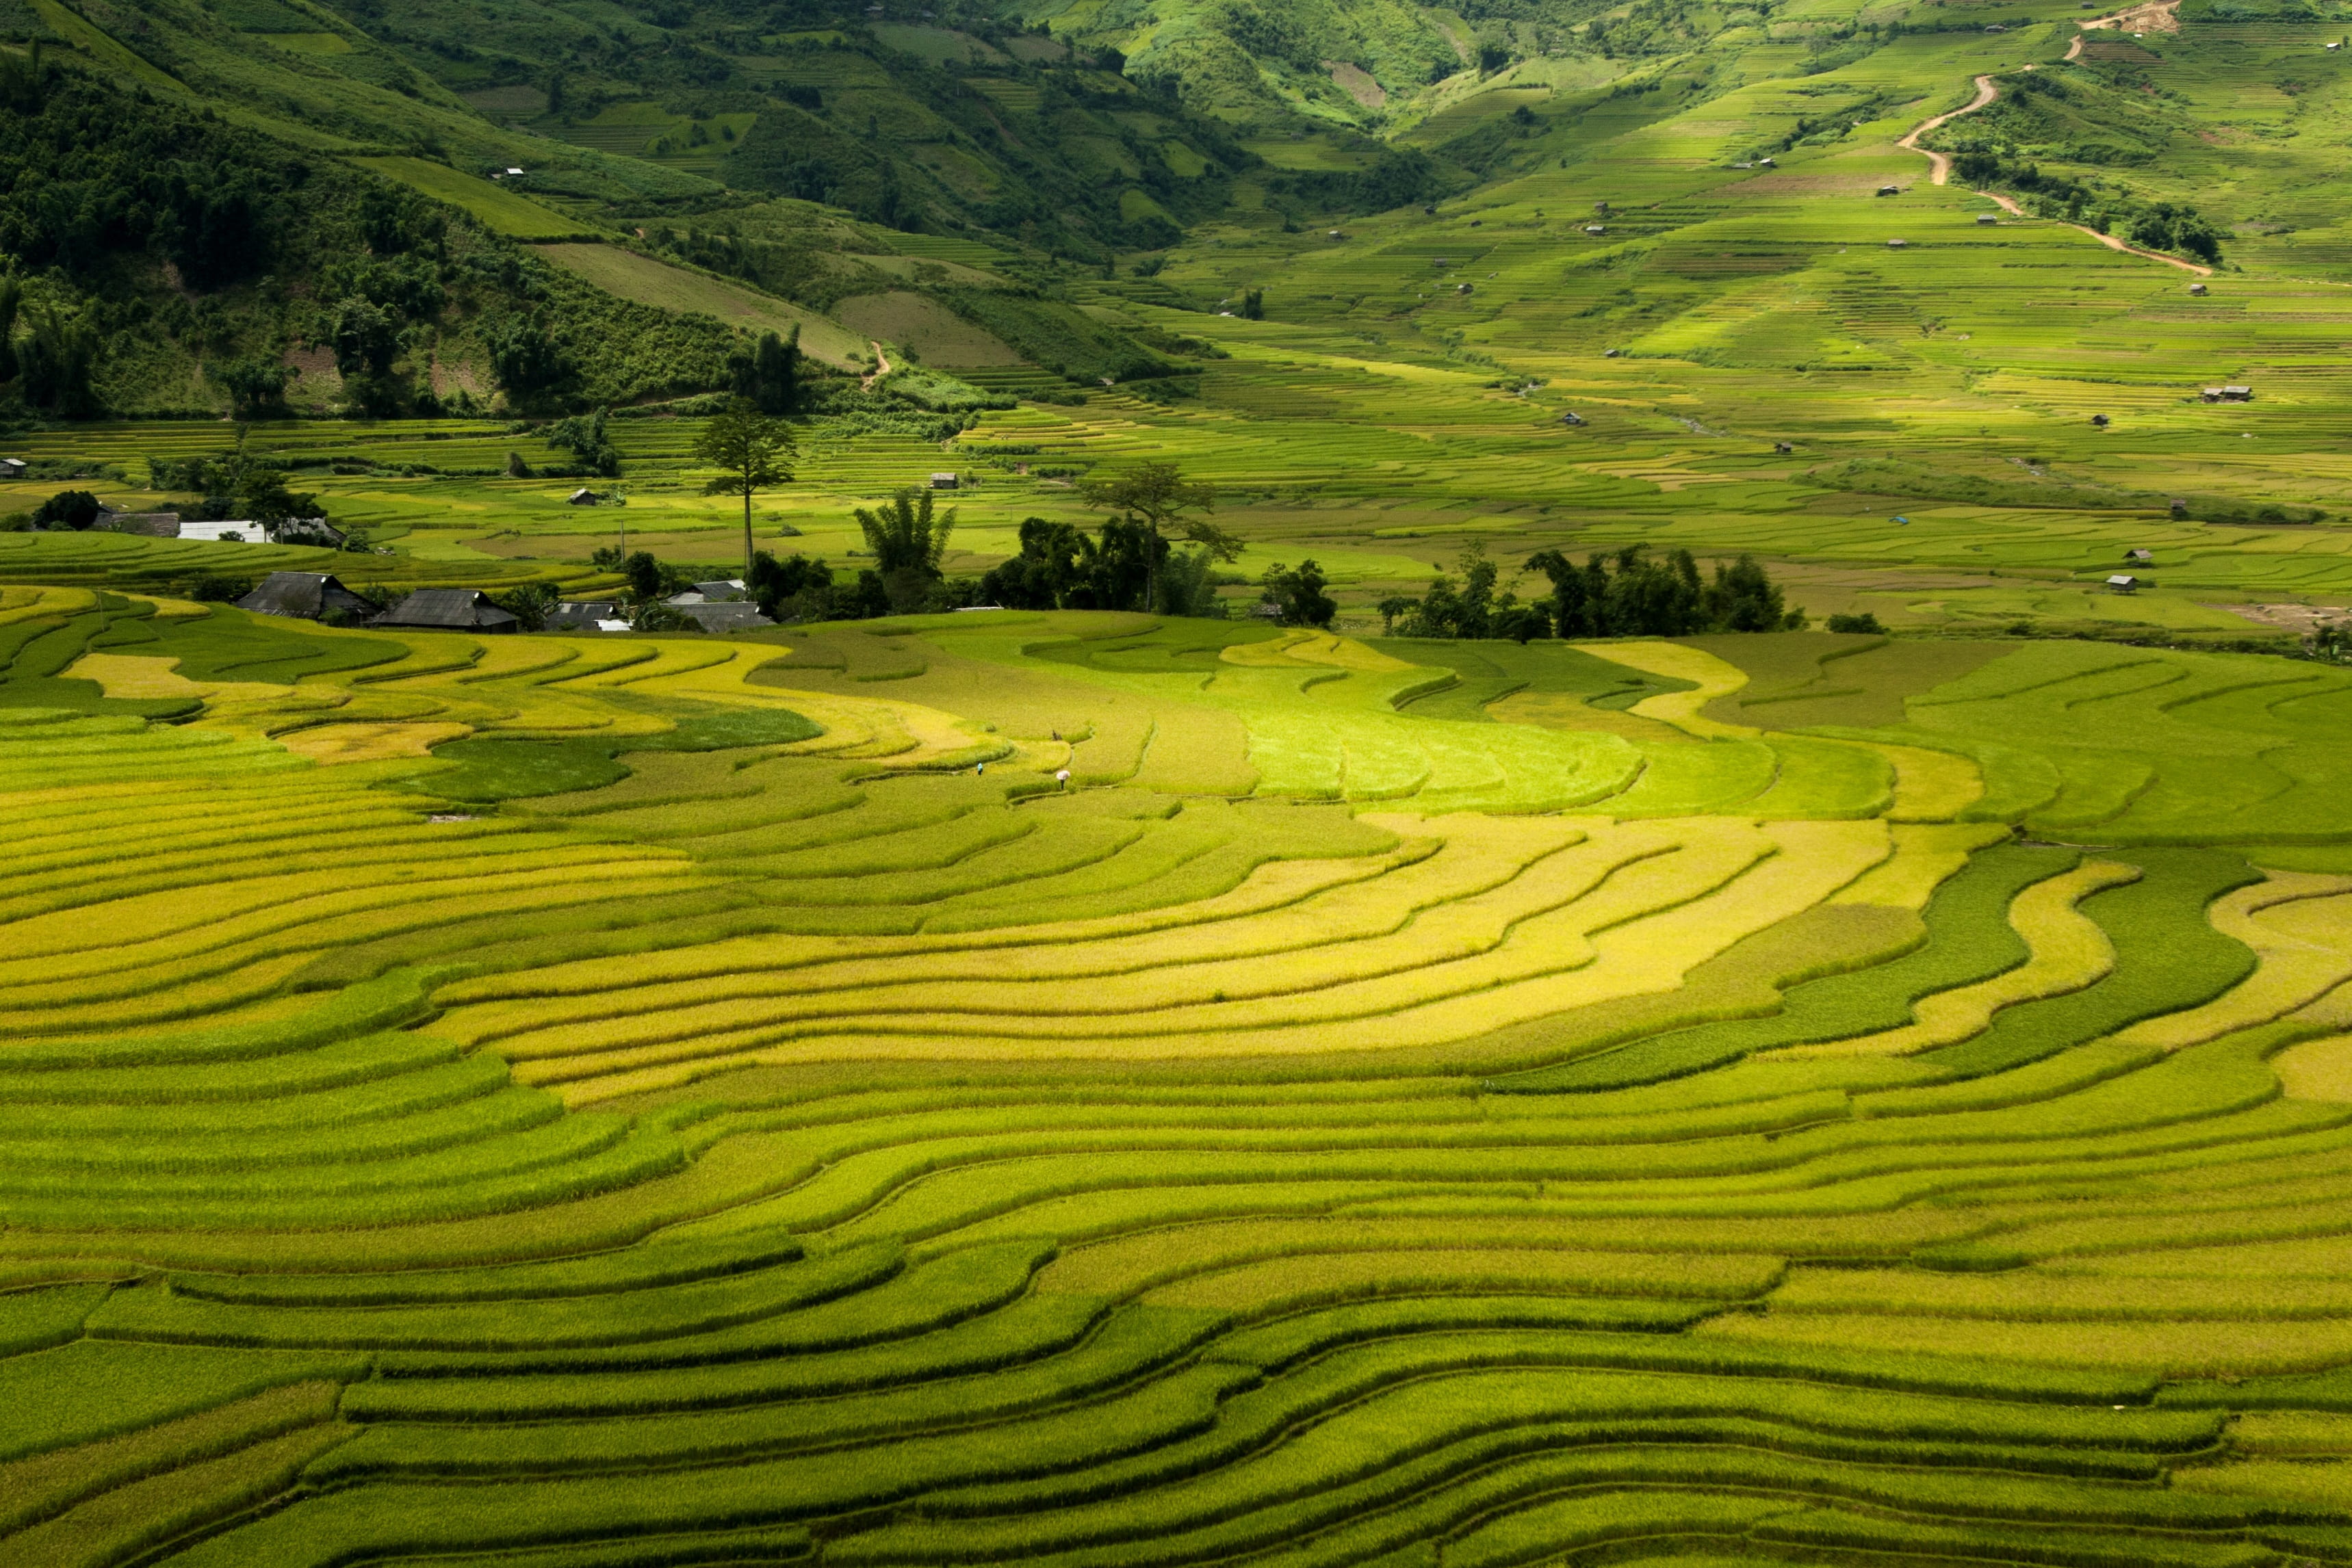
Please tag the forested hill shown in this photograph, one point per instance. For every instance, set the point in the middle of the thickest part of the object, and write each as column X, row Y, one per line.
column 225, row 207
column 378, row 208
column 166, row 259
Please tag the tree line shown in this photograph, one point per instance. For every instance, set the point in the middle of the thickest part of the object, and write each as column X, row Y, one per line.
column 1129, row 562
column 1631, row 593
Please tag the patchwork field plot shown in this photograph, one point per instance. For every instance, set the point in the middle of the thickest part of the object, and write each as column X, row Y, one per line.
column 664, row 1102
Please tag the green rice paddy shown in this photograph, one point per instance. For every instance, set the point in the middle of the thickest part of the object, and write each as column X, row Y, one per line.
column 1089, row 1089
column 702, row 1100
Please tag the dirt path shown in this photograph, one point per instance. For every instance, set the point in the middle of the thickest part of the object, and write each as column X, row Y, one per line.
column 1940, row 167
column 2112, row 242
column 2154, row 16
column 881, row 368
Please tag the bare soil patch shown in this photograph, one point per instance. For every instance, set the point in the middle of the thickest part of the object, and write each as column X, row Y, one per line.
column 2292, row 617
column 1359, row 84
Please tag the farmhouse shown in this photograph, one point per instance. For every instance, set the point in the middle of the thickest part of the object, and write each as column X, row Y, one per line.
column 2124, row 583
column 2229, row 394
column 588, row 615
column 1571, row 417
column 148, row 525
column 1896, row 244
column 729, row 616
column 2196, row 288
column 946, row 482
column 2100, row 420
column 1890, row 190
column 236, row 533
column 12, row 468
column 1596, row 228
column 583, row 496
column 1987, row 219
column 315, row 531
column 305, row 596
column 2139, row 555
column 722, row 591
column 449, row 610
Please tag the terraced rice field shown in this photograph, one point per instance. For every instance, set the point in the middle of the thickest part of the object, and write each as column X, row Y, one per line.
column 1787, row 1098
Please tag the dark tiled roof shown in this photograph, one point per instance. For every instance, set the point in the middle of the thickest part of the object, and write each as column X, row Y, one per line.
column 584, row 614
column 450, row 609
column 152, row 525
column 306, row 595
column 739, row 616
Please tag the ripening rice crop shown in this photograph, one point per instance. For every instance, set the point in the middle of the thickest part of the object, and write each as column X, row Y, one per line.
column 734, row 1120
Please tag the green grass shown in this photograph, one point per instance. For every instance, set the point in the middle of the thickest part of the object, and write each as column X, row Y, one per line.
column 500, row 210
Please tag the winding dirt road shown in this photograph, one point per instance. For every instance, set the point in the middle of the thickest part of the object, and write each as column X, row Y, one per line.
column 1938, row 166
column 881, row 367
column 2157, row 17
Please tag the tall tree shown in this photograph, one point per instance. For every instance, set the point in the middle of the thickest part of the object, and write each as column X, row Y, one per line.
column 750, row 448
column 1297, row 592
column 768, row 372
column 907, row 538
column 1156, row 497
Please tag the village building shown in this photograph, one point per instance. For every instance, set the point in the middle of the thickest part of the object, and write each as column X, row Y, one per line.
column 305, row 596
column 313, row 531
column 588, row 615
column 247, row 532
column 731, row 615
column 449, row 610
column 2124, row 583
column 2229, row 394
column 945, row 481
column 721, row 590
column 147, row 525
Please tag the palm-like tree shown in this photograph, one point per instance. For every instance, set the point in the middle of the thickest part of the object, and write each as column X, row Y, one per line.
column 908, row 537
